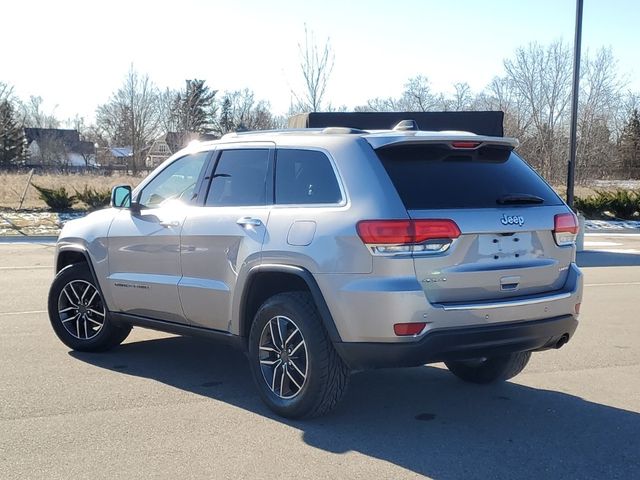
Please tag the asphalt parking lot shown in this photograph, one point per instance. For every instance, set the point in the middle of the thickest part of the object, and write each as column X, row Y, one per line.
column 162, row 406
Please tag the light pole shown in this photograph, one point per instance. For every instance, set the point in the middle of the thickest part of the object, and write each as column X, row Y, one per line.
column 574, row 105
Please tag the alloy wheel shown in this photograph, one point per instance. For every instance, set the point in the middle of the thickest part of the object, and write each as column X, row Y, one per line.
column 81, row 309
column 283, row 357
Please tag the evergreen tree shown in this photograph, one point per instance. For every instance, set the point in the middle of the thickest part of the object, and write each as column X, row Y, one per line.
column 629, row 147
column 226, row 117
column 12, row 140
column 194, row 108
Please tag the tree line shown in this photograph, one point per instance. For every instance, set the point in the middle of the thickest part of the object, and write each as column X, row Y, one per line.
column 534, row 91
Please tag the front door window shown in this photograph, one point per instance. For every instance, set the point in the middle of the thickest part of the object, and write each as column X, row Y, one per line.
column 176, row 183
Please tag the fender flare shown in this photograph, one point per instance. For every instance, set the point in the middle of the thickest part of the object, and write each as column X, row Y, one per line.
column 312, row 285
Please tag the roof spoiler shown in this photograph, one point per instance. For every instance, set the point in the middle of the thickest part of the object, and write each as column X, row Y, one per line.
column 488, row 123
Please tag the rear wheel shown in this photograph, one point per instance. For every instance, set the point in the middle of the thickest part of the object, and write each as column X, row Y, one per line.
column 489, row 369
column 297, row 370
column 78, row 313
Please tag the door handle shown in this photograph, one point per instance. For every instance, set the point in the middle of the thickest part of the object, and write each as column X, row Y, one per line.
column 249, row 222
column 168, row 224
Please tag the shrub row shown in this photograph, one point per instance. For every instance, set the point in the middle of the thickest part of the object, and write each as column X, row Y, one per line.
column 623, row 204
column 59, row 199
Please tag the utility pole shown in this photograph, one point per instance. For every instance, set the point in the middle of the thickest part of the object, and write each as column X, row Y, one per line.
column 574, row 105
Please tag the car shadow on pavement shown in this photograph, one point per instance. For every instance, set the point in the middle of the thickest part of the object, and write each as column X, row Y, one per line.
column 422, row 419
column 597, row 258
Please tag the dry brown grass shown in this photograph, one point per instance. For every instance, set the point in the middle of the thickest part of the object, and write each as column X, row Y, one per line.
column 579, row 191
column 12, row 185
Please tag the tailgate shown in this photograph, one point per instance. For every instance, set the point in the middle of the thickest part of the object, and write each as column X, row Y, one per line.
column 504, row 210
column 491, row 261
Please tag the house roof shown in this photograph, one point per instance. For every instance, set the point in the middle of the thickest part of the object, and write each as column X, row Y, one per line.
column 121, row 152
column 69, row 138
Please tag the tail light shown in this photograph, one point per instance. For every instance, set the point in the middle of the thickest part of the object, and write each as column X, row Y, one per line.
column 565, row 229
column 398, row 237
column 465, row 144
column 405, row 329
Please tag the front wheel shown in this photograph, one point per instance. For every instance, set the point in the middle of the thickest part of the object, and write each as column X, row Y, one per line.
column 78, row 314
column 297, row 370
column 489, row 369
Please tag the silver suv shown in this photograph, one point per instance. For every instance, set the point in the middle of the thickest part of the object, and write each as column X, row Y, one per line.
column 324, row 251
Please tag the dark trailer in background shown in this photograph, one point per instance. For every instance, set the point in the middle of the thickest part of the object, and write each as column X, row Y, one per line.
column 481, row 123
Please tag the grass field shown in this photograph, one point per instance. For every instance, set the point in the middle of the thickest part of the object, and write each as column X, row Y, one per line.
column 12, row 185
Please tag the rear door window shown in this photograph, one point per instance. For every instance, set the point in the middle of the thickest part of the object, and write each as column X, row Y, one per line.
column 305, row 177
column 435, row 177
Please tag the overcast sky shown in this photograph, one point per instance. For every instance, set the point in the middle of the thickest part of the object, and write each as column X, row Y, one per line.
column 75, row 53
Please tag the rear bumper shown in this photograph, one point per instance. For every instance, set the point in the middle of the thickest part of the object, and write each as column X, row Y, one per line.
column 460, row 343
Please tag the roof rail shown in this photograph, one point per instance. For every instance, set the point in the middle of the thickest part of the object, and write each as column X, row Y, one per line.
column 343, row 131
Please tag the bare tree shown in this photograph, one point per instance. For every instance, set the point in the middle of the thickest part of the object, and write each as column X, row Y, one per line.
column 418, row 96
column 35, row 116
column 599, row 101
column 542, row 79
column 6, row 92
column 166, row 105
column 463, row 98
column 240, row 111
column 534, row 94
column 379, row 104
column 316, row 65
column 131, row 116
column 501, row 95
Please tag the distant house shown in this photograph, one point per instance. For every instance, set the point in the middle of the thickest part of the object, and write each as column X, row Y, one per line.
column 61, row 148
column 169, row 143
column 116, row 158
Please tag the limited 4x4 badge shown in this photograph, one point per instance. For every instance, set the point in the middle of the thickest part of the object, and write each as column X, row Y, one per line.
column 512, row 220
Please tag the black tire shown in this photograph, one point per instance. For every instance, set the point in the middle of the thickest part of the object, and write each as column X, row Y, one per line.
column 75, row 278
column 492, row 369
column 326, row 374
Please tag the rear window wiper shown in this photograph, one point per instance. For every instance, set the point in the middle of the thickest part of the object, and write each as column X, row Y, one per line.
column 519, row 198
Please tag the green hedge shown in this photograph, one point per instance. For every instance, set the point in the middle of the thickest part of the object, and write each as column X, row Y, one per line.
column 93, row 198
column 623, row 204
column 59, row 199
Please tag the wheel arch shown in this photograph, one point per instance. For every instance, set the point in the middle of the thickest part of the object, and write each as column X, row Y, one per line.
column 264, row 281
column 70, row 255
column 73, row 254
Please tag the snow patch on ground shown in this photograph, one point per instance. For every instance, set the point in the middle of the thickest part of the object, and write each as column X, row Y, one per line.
column 17, row 224
column 591, row 225
column 623, row 184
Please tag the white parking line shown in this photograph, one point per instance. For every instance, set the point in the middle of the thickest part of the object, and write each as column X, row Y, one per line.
column 30, row 312
column 613, row 235
column 614, row 250
column 612, row 284
column 602, row 244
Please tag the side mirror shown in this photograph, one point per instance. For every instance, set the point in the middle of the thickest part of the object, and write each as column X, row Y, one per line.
column 121, row 196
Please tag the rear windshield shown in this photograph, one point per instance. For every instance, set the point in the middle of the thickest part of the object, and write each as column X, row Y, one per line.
column 434, row 176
